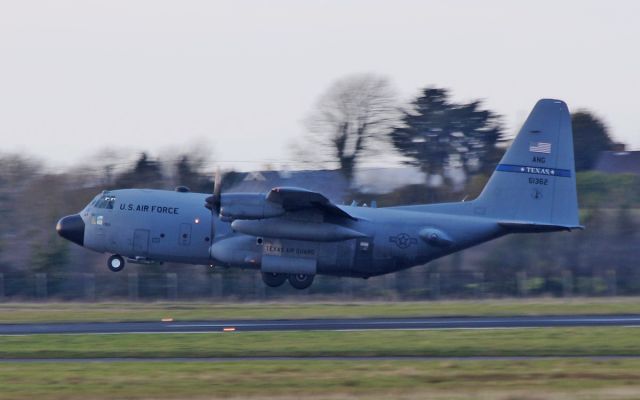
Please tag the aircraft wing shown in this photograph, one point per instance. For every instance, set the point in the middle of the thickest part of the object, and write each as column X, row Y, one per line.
column 297, row 199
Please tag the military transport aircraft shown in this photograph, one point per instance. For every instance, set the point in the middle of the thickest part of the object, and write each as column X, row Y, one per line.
column 294, row 234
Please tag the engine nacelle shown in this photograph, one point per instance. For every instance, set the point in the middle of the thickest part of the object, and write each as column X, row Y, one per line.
column 239, row 250
column 248, row 206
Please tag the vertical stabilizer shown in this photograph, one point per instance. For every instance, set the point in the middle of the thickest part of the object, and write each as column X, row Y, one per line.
column 535, row 182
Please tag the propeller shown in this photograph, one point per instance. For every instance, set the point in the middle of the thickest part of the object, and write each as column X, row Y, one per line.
column 214, row 201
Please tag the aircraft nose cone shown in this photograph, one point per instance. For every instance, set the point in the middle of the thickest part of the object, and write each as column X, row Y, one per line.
column 71, row 228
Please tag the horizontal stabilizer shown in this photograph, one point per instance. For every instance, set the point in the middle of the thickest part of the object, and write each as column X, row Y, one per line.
column 524, row 227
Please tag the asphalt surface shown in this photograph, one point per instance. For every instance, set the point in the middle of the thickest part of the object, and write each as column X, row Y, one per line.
column 321, row 324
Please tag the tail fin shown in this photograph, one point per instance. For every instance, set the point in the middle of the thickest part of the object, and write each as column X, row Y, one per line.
column 534, row 186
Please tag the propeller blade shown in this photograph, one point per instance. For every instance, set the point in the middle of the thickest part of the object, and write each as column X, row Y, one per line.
column 214, row 201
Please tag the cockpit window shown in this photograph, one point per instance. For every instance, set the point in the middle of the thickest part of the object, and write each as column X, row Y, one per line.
column 105, row 202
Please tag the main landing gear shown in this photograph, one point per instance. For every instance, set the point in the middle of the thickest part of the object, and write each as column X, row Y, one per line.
column 272, row 279
column 301, row 281
column 298, row 281
column 115, row 263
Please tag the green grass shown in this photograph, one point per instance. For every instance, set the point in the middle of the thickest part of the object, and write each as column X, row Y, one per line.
column 556, row 379
column 492, row 342
column 502, row 380
column 69, row 312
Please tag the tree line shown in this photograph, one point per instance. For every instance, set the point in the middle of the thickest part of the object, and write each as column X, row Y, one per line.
column 358, row 118
column 360, row 115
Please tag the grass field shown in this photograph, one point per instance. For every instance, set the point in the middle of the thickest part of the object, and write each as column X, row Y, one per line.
column 69, row 312
column 502, row 380
column 553, row 378
column 491, row 342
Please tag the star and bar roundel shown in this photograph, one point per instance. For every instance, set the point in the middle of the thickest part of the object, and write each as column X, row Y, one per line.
column 403, row 240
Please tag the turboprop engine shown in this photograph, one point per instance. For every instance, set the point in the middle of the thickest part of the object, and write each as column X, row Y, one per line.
column 248, row 206
column 289, row 233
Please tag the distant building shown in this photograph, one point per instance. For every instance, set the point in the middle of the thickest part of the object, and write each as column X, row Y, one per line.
column 619, row 162
column 386, row 180
column 330, row 183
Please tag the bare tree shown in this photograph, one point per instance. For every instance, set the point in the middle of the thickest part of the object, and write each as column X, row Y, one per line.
column 353, row 116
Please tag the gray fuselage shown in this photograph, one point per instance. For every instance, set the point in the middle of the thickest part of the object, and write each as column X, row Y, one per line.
column 167, row 226
column 293, row 233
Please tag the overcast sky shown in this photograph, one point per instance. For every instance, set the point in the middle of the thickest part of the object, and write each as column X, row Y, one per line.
column 78, row 76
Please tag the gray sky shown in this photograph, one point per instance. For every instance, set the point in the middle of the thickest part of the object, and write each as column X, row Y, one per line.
column 78, row 76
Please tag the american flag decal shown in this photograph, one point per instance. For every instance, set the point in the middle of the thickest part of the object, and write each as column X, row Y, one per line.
column 540, row 147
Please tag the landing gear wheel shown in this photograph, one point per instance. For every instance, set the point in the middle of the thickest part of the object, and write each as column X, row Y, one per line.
column 272, row 279
column 115, row 263
column 301, row 281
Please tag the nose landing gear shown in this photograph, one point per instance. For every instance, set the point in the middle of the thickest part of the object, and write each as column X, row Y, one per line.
column 115, row 263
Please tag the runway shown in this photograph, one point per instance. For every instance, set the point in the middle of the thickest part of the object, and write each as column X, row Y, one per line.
column 350, row 324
